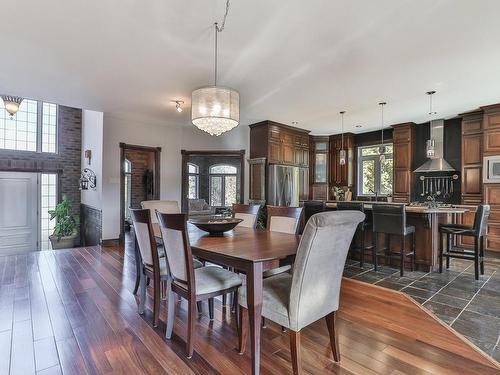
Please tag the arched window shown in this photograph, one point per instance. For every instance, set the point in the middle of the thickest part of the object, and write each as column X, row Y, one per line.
column 193, row 181
column 223, row 181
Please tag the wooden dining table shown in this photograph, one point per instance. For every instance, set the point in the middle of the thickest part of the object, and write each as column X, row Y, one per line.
column 250, row 251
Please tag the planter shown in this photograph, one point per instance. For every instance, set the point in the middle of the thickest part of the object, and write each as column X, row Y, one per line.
column 67, row 242
column 389, row 199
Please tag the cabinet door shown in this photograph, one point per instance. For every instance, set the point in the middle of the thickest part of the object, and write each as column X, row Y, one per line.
column 492, row 141
column 472, row 149
column 274, row 133
column 471, row 181
column 288, row 153
column 467, row 219
column 402, row 157
column 286, row 137
column 401, row 135
column 275, row 152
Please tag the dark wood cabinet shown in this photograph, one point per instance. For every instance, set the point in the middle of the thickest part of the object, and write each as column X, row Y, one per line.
column 492, row 197
column 472, row 157
column 402, row 138
column 342, row 175
column 279, row 143
column 320, row 161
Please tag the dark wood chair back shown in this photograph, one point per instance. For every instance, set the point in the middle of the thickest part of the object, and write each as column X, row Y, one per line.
column 284, row 219
column 177, row 249
column 350, row 206
column 248, row 212
column 389, row 218
column 481, row 219
column 312, row 208
column 144, row 234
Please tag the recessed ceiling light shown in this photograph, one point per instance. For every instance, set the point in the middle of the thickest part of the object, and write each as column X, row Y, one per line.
column 295, row 122
column 358, row 126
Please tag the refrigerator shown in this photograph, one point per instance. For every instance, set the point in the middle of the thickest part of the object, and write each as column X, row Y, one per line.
column 287, row 185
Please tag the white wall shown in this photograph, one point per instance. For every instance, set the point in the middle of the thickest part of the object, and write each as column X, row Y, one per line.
column 92, row 139
column 171, row 139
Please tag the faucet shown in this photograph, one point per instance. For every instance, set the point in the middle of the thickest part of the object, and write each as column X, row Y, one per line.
column 376, row 194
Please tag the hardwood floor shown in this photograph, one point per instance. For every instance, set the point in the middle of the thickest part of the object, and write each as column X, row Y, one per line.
column 73, row 312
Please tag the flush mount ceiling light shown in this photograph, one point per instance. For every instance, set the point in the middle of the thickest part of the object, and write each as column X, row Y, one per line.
column 381, row 149
column 178, row 105
column 215, row 109
column 11, row 104
column 342, row 153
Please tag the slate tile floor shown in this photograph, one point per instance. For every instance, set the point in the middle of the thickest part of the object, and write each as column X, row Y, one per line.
column 471, row 307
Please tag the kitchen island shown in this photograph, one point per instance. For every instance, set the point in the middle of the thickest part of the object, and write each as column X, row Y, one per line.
column 426, row 221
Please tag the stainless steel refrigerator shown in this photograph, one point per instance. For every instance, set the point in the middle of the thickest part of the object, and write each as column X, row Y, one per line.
column 287, row 185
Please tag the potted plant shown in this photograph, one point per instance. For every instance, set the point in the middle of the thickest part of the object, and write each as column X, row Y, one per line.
column 389, row 198
column 338, row 193
column 65, row 230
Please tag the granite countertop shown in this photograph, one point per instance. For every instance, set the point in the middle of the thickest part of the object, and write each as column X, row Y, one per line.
column 456, row 209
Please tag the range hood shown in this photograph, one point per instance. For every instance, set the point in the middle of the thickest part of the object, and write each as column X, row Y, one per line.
column 437, row 162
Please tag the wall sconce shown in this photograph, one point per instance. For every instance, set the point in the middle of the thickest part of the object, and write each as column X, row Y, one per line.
column 88, row 179
column 88, row 156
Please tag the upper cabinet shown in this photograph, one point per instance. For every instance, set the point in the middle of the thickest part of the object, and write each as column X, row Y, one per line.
column 342, row 175
column 402, row 138
column 279, row 143
column 491, row 123
column 472, row 157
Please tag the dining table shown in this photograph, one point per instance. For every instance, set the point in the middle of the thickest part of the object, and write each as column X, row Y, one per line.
column 249, row 251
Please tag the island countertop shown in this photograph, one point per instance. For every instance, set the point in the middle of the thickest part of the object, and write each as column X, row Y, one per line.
column 413, row 209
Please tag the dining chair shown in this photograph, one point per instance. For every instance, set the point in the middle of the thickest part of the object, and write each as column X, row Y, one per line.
column 311, row 291
column 195, row 285
column 249, row 213
column 151, row 265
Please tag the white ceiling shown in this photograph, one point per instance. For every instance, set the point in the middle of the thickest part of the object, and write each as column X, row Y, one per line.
column 290, row 60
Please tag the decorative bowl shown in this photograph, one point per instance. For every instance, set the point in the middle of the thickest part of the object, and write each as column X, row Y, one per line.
column 215, row 226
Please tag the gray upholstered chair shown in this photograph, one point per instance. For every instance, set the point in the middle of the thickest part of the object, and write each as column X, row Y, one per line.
column 195, row 285
column 311, row 292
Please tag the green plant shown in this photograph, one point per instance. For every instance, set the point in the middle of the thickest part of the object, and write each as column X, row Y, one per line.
column 66, row 223
column 338, row 192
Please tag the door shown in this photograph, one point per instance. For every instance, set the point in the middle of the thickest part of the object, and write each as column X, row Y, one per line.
column 19, row 213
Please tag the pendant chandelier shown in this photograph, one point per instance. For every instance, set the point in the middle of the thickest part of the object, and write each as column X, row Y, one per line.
column 215, row 109
column 11, row 104
column 342, row 153
column 381, row 149
column 430, row 148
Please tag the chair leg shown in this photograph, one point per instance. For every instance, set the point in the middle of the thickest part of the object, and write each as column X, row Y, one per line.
column 164, row 290
column 234, row 303
column 156, row 300
column 170, row 311
column 414, row 257
column 448, row 240
column 440, row 253
column 481, row 254
column 476, row 258
column 138, row 270
column 375, row 250
column 388, row 258
column 190, row 327
column 362, row 250
column 224, row 299
column 199, row 307
column 242, row 329
column 142, row 292
column 334, row 336
column 211, row 308
column 295, row 352
column 264, row 325
column 402, row 260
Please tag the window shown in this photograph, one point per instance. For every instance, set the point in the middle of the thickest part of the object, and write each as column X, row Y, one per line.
column 374, row 177
column 33, row 128
column 193, row 181
column 127, row 170
column 48, row 200
column 223, row 185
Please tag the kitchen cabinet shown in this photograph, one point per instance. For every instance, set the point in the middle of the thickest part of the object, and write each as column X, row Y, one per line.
column 279, row 143
column 319, row 167
column 403, row 137
column 472, row 157
column 492, row 197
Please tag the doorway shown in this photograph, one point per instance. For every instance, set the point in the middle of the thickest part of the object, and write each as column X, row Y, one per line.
column 139, row 179
column 19, row 224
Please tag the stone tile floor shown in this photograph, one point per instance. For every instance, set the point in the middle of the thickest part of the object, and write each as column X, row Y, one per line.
column 471, row 307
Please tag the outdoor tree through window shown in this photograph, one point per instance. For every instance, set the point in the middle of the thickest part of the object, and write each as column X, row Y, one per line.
column 223, row 185
column 374, row 176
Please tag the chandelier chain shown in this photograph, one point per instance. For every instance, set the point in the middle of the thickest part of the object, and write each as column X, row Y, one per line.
column 218, row 29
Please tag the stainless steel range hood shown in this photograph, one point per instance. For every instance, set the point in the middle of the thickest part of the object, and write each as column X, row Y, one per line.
column 437, row 162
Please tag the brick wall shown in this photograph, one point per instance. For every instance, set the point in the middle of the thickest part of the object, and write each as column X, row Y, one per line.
column 67, row 162
column 142, row 161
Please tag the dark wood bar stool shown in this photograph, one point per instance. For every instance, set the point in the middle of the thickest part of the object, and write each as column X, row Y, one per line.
column 477, row 230
column 311, row 208
column 362, row 227
column 390, row 219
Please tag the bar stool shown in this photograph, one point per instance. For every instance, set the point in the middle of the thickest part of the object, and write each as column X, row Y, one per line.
column 477, row 230
column 360, row 230
column 311, row 208
column 390, row 219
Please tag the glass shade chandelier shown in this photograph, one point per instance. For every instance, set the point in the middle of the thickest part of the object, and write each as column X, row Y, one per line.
column 11, row 104
column 215, row 109
column 342, row 153
column 381, row 149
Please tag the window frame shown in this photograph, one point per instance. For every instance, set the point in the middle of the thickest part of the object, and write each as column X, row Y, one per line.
column 39, row 130
column 196, row 176
column 377, row 170
column 223, row 183
column 40, row 208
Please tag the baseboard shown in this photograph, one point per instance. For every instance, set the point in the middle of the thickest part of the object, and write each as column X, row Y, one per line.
column 110, row 242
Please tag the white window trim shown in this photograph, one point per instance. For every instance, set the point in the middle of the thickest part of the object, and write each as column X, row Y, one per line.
column 377, row 172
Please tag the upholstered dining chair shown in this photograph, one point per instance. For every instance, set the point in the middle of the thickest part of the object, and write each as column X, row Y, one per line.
column 151, row 266
column 184, row 280
column 163, row 206
column 311, row 292
column 249, row 213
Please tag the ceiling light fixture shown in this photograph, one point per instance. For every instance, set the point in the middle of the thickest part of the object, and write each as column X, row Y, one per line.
column 178, row 105
column 358, row 126
column 11, row 104
column 381, row 149
column 430, row 147
column 215, row 109
column 342, row 153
